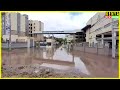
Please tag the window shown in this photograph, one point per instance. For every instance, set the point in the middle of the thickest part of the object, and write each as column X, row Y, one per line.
column 99, row 28
column 107, row 25
column 115, row 23
column 49, row 44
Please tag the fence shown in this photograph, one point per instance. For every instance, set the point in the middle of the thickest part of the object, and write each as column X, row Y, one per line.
column 95, row 50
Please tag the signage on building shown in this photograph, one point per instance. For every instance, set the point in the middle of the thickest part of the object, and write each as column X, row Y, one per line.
column 112, row 15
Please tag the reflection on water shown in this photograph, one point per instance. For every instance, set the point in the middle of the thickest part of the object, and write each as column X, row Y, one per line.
column 59, row 58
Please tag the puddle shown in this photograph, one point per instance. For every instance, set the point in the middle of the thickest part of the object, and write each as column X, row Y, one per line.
column 49, row 57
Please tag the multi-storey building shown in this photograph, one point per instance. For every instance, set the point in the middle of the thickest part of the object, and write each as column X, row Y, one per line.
column 24, row 25
column 99, row 30
column 69, row 38
column 14, row 24
column 10, row 25
column 34, row 26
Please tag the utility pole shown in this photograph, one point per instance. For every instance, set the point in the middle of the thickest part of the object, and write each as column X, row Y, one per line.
column 8, row 28
column 10, row 31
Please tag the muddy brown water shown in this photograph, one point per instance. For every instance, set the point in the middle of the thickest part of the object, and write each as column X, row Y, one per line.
column 62, row 59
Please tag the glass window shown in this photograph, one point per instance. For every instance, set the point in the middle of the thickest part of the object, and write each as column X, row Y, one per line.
column 107, row 25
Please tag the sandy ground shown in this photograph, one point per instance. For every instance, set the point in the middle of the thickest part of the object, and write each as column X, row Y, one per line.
column 36, row 71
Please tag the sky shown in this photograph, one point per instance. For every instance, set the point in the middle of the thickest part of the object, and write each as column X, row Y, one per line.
column 61, row 21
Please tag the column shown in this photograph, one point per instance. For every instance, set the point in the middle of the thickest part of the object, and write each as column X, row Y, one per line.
column 102, row 41
column 28, row 43
column 113, row 41
column 33, row 43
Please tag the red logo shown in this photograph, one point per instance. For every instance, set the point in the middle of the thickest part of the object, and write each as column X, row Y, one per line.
column 108, row 16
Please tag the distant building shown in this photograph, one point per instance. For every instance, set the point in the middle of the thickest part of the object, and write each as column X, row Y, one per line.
column 35, row 25
column 79, row 36
column 24, row 25
column 69, row 38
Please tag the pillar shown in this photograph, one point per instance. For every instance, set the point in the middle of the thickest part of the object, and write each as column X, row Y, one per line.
column 102, row 41
column 33, row 43
column 113, row 43
column 28, row 43
column 113, row 40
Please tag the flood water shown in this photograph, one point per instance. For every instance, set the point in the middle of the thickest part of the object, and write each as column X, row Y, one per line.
column 57, row 58
column 62, row 59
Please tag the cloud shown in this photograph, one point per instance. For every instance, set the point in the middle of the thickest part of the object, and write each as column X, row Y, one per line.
column 61, row 21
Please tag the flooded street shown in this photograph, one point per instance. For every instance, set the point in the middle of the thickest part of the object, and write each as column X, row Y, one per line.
column 61, row 59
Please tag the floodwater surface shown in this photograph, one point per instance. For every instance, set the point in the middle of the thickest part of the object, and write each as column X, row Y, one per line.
column 57, row 58
column 62, row 59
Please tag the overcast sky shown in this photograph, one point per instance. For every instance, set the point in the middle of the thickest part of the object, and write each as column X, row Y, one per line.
column 58, row 21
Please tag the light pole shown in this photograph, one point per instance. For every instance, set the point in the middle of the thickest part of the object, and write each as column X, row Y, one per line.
column 10, row 32
column 8, row 28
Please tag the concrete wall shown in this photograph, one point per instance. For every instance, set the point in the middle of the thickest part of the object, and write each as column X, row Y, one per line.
column 94, row 50
column 22, row 39
column 13, row 37
column 15, row 45
column 28, row 44
column 22, row 34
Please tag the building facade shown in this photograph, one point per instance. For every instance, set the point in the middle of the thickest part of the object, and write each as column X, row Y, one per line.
column 10, row 26
column 35, row 25
column 24, row 25
column 69, row 38
column 100, row 30
column 14, row 24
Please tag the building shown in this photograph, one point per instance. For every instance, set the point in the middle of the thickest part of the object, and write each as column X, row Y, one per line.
column 69, row 38
column 24, row 25
column 14, row 24
column 99, row 30
column 10, row 25
column 80, row 36
column 35, row 25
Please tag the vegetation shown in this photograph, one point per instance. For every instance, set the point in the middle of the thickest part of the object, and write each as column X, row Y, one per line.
column 60, row 40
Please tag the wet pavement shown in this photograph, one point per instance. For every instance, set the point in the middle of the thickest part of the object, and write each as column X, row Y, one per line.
column 62, row 59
